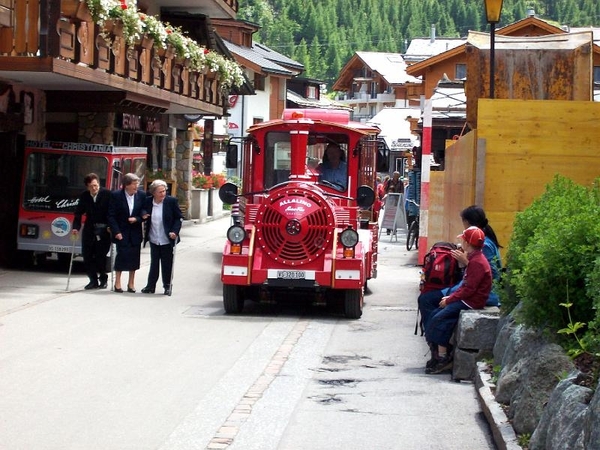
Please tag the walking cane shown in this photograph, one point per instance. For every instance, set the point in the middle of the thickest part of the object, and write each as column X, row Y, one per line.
column 173, row 264
column 112, row 264
column 74, row 239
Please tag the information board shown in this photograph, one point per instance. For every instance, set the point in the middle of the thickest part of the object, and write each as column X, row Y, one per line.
column 393, row 213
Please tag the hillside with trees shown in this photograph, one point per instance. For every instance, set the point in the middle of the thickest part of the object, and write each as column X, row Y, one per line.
column 324, row 34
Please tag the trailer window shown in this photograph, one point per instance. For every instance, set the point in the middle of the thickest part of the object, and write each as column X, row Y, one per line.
column 54, row 182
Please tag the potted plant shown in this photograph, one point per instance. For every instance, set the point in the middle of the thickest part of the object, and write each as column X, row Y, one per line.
column 218, row 180
column 157, row 174
column 202, row 181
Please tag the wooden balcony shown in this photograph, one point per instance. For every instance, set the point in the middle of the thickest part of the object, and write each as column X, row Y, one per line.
column 70, row 52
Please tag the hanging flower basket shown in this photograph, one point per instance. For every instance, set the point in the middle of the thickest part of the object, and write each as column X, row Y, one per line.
column 134, row 25
column 147, row 42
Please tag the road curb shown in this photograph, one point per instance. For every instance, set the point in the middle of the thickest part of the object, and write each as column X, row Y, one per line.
column 504, row 435
column 188, row 222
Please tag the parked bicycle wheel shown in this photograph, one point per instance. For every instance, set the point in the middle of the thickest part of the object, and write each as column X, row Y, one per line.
column 412, row 238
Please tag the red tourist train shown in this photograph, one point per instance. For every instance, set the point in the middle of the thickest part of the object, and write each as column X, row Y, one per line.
column 51, row 184
column 297, row 232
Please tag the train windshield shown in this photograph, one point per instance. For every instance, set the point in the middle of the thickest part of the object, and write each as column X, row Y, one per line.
column 279, row 154
column 54, row 182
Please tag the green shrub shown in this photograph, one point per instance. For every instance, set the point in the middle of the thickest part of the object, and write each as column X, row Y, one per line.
column 553, row 256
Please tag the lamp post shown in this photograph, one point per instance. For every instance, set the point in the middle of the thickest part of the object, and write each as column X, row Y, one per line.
column 493, row 8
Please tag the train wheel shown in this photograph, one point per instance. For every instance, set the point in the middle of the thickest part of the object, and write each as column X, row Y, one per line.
column 353, row 303
column 233, row 302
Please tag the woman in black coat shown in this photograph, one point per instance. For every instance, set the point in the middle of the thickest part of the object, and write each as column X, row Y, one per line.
column 162, row 230
column 125, row 214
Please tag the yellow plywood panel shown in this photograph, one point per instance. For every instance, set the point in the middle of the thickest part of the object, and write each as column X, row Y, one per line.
column 435, row 230
column 516, row 127
column 502, row 223
column 509, row 160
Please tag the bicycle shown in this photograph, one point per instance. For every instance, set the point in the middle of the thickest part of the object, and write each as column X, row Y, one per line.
column 412, row 236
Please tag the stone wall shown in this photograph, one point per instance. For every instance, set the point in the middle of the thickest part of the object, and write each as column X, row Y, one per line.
column 180, row 148
column 96, row 128
column 539, row 384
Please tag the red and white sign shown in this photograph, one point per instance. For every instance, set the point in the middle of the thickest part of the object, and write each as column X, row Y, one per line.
column 233, row 100
column 233, row 126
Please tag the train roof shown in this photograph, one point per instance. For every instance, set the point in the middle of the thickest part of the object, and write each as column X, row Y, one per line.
column 84, row 147
column 337, row 117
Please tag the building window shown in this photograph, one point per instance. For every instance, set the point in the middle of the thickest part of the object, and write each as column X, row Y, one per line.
column 597, row 74
column 259, row 82
column 461, row 72
column 311, row 92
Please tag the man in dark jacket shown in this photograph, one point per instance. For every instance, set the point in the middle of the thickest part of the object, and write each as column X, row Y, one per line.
column 93, row 203
column 162, row 230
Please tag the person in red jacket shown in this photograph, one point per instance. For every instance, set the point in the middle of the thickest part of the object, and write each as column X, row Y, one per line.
column 472, row 294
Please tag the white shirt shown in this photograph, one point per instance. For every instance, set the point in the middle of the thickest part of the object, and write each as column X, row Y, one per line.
column 130, row 199
column 157, row 228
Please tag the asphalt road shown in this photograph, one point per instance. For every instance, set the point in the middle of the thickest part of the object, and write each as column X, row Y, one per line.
column 88, row 370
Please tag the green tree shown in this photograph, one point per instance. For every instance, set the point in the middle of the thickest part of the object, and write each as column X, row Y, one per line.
column 302, row 56
column 346, row 26
column 316, row 58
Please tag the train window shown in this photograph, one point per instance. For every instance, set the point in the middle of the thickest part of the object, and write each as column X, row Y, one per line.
column 54, row 182
column 277, row 158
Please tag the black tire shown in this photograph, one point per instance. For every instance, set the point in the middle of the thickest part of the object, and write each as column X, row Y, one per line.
column 412, row 238
column 64, row 260
column 233, row 302
column 353, row 303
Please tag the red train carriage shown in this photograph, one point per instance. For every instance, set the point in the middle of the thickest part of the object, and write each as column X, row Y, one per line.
column 52, row 182
column 297, row 232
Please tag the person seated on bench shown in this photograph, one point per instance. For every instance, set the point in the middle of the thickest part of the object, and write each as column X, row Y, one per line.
column 472, row 294
column 471, row 216
column 334, row 168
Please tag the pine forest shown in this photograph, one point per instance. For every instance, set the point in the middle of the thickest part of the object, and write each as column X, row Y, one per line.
column 324, row 34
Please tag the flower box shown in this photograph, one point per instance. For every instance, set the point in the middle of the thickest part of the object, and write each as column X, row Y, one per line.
column 199, row 204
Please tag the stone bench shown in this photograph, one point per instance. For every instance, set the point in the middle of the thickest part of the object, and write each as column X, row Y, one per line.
column 474, row 340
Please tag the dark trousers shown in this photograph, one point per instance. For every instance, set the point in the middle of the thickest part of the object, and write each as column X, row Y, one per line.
column 94, row 253
column 442, row 322
column 163, row 255
column 429, row 302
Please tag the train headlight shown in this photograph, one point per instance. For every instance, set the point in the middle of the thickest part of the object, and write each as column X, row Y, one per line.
column 27, row 230
column 236, row 234
column 349, row 238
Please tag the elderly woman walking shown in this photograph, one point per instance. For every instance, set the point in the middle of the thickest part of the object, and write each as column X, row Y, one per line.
column 125, row 214
column 162, row 230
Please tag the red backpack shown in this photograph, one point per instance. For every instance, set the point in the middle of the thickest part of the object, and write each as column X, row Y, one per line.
column 440, row 269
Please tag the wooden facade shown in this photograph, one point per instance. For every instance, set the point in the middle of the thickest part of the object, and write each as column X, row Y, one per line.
column 517, row 149
column 555, row 67
column 69, row 44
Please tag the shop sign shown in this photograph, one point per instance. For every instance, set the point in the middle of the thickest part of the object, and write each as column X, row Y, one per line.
column 132, row 122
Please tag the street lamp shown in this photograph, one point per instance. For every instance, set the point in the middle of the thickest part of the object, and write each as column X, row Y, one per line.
column 493, row 8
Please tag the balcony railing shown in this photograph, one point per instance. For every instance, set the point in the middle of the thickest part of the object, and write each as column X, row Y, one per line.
column 73, row 37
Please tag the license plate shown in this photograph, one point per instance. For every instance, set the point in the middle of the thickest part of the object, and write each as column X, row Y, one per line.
column 291, row 274
column 59, row 248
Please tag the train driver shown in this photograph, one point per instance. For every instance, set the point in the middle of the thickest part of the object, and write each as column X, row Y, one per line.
column 334, row 168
